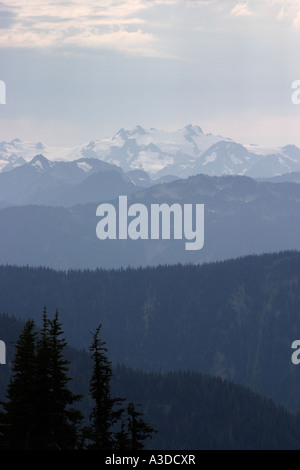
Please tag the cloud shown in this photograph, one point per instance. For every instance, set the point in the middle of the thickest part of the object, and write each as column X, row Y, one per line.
column 117, row 24
column 287, row 10
column 270, row 10
column 296, row 21
column 135, row 42
column 139, row 27
column 241, row 9
column 7, row 16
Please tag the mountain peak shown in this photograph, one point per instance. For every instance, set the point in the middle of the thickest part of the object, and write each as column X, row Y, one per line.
column 121, row 133
column 193, row 130
column 40, row 162
column 39, row 146
column 128, row 133
column 181, row 152
column 138, row 130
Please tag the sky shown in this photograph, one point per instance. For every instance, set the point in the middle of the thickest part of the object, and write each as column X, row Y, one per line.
column 77, row 71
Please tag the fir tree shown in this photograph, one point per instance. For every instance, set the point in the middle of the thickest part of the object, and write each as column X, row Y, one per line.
column 43, row 385
column 60, row 417
column 19, row 417
column 138, row 429
column 122, row 439
column 38, row 413
column 103, row 415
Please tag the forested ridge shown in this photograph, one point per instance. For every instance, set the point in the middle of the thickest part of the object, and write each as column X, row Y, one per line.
column 189, row 410
column 236, row 319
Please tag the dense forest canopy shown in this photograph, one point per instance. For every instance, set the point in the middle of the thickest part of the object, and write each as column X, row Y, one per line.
column 236, row 319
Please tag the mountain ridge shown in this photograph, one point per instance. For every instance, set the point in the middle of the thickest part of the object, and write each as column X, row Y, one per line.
column 242, row 216
column 66, row 183
column 182, row 153
column 236, row 319
column 166, row 398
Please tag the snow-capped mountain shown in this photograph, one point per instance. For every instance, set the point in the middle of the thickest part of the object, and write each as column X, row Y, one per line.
column 153, row 151
column 182, row 153
column 43, row 182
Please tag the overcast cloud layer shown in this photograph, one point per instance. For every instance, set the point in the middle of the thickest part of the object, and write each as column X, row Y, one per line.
column 77, row 71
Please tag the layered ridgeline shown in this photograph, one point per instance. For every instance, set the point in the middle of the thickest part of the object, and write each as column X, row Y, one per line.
column 241, row 216
column 235, row 319
column 183, row 152
column 43, row 182
column 189, row 410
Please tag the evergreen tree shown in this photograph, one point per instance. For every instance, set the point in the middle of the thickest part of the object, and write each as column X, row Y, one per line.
column 19, row 418
column 122, row 439
column 138, row 429
column 43, row 385
column 60, row 419
column 38, row 413
column 103, row 415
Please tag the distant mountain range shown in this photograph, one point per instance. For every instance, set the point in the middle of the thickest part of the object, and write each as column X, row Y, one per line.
column 56, row 225
column 181, row 153
column 43, row 182
column 242, row 216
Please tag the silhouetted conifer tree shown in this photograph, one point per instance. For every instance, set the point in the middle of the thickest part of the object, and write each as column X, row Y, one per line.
column 138, row 429
column 104, row 413
column 38, row 413
column 18, row 418
column 61, row 417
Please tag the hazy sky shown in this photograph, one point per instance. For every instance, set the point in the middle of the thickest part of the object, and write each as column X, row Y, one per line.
column 76, row 71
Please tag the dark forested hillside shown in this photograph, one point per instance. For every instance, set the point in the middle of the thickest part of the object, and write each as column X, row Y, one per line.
column 193, row 411
column 235, row 319
column 188, row 409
